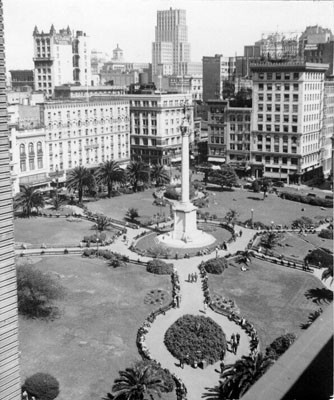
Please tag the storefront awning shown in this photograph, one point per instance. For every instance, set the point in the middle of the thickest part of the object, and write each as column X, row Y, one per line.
column 216, row 159
column 175, row 159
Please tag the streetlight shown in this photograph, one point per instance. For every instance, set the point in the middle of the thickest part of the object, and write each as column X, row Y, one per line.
column 252, row 215
column 97, row 243
column 272, row 224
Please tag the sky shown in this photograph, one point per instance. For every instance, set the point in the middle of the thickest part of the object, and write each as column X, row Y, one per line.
column 214, row 26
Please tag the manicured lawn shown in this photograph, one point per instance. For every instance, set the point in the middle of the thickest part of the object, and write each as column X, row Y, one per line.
column 116, row 207
column 273, row 208
column 221, row 235
column 95, row 336
column 298, row 245
column 52, row 231
column 270, row 296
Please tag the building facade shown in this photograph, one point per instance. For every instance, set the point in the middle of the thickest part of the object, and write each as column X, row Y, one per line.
column 217, row 70
column 217, row 131
column 81, row 92
column 10, row 385
column 327, row 133
column 22, row 77
column 59, row 58
column 155, row 127
column 171, row 50
column 287, row 120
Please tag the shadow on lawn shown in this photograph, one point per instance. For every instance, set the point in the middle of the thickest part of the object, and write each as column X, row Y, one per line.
column 254, row 198
column 319, row 295
column 212, row 393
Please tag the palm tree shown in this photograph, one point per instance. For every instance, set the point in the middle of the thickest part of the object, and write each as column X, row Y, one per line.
column 270, row 240
column 28, row 199
column 109, row 173
column 79, row 179
column 160, row 175
column 239, row 377
column 137, row 382
column 137, row 172
column 328, row 273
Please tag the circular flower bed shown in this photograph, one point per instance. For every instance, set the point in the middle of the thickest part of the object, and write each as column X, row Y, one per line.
column 157, row 296
column 193, row 339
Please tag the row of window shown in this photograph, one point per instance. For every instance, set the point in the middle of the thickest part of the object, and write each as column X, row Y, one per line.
column 278, row 97
column 286, row 118
column 276, row 160
column 279, row 86
column 278, row 107
column 277, row 128
column 31, row 148
column 31, row 164
column 240, row 117
column 277, row 139
column 278, row 76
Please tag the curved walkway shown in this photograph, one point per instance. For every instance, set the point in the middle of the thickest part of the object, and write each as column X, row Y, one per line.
column 192, row 302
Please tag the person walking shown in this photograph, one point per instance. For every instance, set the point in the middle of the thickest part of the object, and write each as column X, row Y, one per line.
column 235, row 347
column 188, row 277
column 232, row 338
column 195, row 276
column 222, row 366
column 237, row 337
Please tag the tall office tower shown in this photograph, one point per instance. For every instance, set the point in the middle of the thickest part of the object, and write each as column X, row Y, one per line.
column 288, row 118
column 59, row 58
column 171, row 50
column 9, row 364
column 217, row 71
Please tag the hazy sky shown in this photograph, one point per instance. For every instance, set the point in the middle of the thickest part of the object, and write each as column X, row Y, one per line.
column 214, row 26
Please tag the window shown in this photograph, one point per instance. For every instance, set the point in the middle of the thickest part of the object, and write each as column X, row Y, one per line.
column 260, row 117
column 269, row 97
column 276, row 128
column 275, row 160
column 267, row 159
column 261, row 75
column 286, row 118
column 294, row 161
column 295, row 118
column 295, row 108
column 260, row 127
column 22, row 149
column 258, row 158
column 278, row 76
column 260, row 107
column 277, row 97
column 286, row 97
column 261, row 86
column 259, row 138
column 268, row 117
column 296, row 75
column 295, row 86
column 268, row 128
column 269, row 76
column 269, row 107
column 284, row 160
column 23, row 166
column 278, row 86
column 285, row 128
column 277, row 107
column 269, row 86
column 260, row 97
column 295, row 97
column 286, row 87
column 287, row 76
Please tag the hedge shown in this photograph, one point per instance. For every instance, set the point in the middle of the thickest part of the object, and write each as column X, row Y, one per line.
column 314, row 201
column 194, row 338
column 215, row 265
column 159, row 267
column 320, row 256
column 42, row 386
column 326, row 234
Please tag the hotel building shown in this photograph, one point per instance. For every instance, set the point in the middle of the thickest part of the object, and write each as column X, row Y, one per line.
column 287, row 120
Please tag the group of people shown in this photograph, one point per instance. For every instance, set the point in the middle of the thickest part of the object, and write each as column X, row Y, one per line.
column 234, row 342
column 192, row 277
column 176, row 289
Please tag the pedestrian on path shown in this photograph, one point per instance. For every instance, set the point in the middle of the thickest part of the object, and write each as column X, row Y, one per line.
column 235, row 347
column 195, row 276
column 188, row 277
column 232, row 338
column 237, row 336
column 205, row 307
column 222, row 366
column 240, row 233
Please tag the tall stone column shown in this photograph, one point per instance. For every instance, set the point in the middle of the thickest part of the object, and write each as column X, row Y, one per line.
column 185, row 161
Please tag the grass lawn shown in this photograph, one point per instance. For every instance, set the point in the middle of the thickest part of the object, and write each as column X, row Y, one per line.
column 270, row 296
column 52, row 231
column 116, row 207
column 95, row 336
column 221, row 235
column 273, row 208
column 297, row 246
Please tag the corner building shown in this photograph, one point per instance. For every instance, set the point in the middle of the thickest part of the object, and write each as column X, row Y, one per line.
column 287, row 120
column 155, row 127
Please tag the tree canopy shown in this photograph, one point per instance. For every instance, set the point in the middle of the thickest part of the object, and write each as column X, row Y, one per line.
column 29, row 198
column 224, row 177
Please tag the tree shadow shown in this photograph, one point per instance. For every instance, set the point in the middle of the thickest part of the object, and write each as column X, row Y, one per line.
column 253, row 198
column 212, row 393
column 319, row 295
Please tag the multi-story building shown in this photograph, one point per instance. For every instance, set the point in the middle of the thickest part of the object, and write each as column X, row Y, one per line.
column 321, row 53
column 79, row 92
column 10, row 386
column 57, row 136
column 287, row 120
column 59, row 58
column 86, row 133
column 217, row 131
column 327, row 134
column 312, row 36
column 171, row 50
column 22, row 77
column 155, row 126
column 279, row 45
column 229, row 134
column 216, row 71
column 181, row 84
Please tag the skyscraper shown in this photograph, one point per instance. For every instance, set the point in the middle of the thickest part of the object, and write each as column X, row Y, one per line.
column 171, row 50
column 9, row 365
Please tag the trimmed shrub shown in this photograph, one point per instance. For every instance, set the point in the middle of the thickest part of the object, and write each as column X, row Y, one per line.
column 36, row 292
column 326, row 234
column 42, row 386
column 215, row 265
column 159, row 267
column 194, row 338
column 172, row 194
column 320, row 257
column 315, row 201
column 202, row 202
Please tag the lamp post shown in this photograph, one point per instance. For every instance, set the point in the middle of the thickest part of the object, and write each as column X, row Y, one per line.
column 252, row 217
column 272, row 225
column 97, row 244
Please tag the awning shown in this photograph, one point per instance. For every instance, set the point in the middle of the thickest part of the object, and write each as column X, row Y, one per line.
column 216, row 159
column 176, row 159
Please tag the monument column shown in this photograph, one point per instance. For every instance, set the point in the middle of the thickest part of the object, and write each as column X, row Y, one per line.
column 185, row 161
